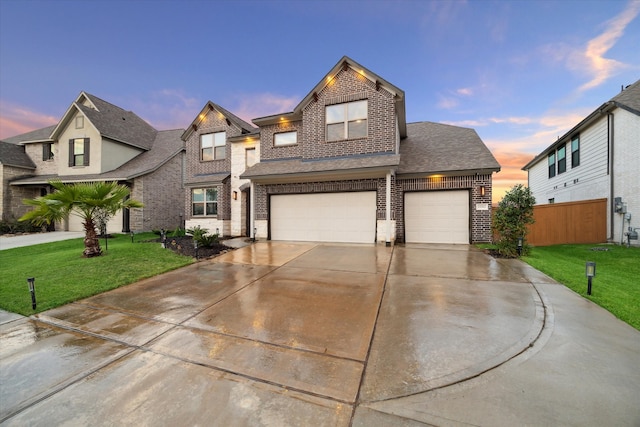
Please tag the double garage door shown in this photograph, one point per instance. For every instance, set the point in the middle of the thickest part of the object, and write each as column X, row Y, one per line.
column 324, row 217
column 430, row 217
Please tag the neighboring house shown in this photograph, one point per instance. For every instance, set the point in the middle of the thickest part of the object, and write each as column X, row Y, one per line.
column 343, row 166
column 98, row 141
column 596, row 159
column 14, row 164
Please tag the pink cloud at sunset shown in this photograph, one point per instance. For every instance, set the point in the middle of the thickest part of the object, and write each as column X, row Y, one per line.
column 16, row 119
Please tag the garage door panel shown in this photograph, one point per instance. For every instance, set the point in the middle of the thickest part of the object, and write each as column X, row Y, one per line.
column 437, row 217
column 324, row 217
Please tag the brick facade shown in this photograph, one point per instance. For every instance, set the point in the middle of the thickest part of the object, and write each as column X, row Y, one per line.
column 12, row 207
column 197, row 171
column 480, row 226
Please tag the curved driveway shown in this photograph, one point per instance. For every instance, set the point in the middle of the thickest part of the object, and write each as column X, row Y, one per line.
column 318, row 334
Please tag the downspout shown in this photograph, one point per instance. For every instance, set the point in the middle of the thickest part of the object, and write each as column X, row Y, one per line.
column 252, row 214
column 610, row 170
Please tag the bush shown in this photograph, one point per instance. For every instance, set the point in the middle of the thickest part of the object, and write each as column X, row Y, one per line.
column 178, row 232
column 15, row 226
column 514, row 213
column 200, row 235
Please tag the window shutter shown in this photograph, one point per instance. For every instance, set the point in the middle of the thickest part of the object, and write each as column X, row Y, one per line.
column 45, row 152
column 70, row 152
column 86, row 152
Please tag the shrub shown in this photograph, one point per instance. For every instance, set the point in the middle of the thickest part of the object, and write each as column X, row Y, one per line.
column 514, row 213
column 178, row 232
column 200, row 235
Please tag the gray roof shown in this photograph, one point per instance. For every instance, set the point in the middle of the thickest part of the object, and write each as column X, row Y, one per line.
column 38, row 135
column 363, row 165
column 120, row 125
column 629, row 98
column 433, row 148
column 14, row 155
column 164, row 147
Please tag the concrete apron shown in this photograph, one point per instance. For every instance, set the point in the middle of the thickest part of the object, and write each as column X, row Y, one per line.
column 288, row 334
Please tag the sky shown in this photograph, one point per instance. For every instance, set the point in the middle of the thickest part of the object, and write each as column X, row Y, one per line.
column 521, row 73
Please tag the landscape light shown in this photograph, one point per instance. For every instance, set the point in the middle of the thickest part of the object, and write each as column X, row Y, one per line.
column 520, row 243
column 32, row 289
column 590, row 272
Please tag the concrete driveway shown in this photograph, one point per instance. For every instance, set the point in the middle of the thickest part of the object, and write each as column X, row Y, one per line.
column 280, row 334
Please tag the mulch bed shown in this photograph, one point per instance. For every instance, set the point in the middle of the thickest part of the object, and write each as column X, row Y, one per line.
column 184, row 246
column 494, row 253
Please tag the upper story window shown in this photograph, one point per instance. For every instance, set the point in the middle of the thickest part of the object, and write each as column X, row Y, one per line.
column 47, row 151
column 79, row 152
column 346, row 121
column 250, row 157
column 575, row 151
column 285, row 138
column 551, row 161
column 562, row 159
column 213, row 146
column 204, row 201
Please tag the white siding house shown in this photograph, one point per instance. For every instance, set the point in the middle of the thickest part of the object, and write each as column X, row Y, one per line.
column 598, row 158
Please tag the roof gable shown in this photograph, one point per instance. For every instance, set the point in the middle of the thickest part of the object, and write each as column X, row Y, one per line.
column 245, row 127
column 111, row 122
column 344, row 63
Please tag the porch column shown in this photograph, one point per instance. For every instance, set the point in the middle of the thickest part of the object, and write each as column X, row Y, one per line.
column 388, row 213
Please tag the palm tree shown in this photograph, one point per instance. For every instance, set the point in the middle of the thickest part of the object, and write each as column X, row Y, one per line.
column 88, row 200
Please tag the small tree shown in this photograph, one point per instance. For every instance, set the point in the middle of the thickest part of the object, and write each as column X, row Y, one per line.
column 514, row 213
column 91, row 201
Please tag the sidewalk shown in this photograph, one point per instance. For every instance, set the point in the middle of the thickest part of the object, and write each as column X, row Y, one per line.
column 37, row 238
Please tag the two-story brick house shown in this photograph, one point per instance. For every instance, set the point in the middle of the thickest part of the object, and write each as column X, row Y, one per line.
column 596, row 159
column 343, row 166
column 98, row 141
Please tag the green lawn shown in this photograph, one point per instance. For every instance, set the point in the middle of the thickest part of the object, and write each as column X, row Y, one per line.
column 616, row 286
column 63, row 275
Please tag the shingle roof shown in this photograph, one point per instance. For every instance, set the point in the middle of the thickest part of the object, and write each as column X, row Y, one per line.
column 165, row 146
column 630, row 98
column 115, row 123
column 245, row 127
column 37, row 135
column 432, row 148
column 297, row 167
column 14, row 155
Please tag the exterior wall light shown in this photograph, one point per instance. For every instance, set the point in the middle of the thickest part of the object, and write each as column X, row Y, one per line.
column 235, row 195
column 32, row 289
column 482, row 190
column 590, row 272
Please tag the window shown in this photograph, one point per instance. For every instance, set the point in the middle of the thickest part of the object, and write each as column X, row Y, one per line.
column 285, row 138
column 79, row 152
column 552, row 164
column 213, row 146
column 250, row 157
column 575, row 151
column 346, row 121
column 204, row 201
column 562, row 159
column 79, row 122
column 47, row 151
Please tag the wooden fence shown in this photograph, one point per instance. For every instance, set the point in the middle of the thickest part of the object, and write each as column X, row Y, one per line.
column 572, row 222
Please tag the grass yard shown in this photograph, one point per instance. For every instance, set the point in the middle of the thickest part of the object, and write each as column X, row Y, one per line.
column 616, row 286
column 63, row 275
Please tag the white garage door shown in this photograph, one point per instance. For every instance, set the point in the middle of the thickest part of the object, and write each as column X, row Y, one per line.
column 113, row 226
column 325, row 217
column 436, row 217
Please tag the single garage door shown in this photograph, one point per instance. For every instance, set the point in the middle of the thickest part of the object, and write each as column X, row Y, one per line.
column 437, row 217
column 324, row 217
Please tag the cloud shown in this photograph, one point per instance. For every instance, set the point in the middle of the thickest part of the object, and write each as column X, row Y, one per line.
column 465, row 91
column 597, row 65
column 167, row 108
column 251, row 106
column 17, row 119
